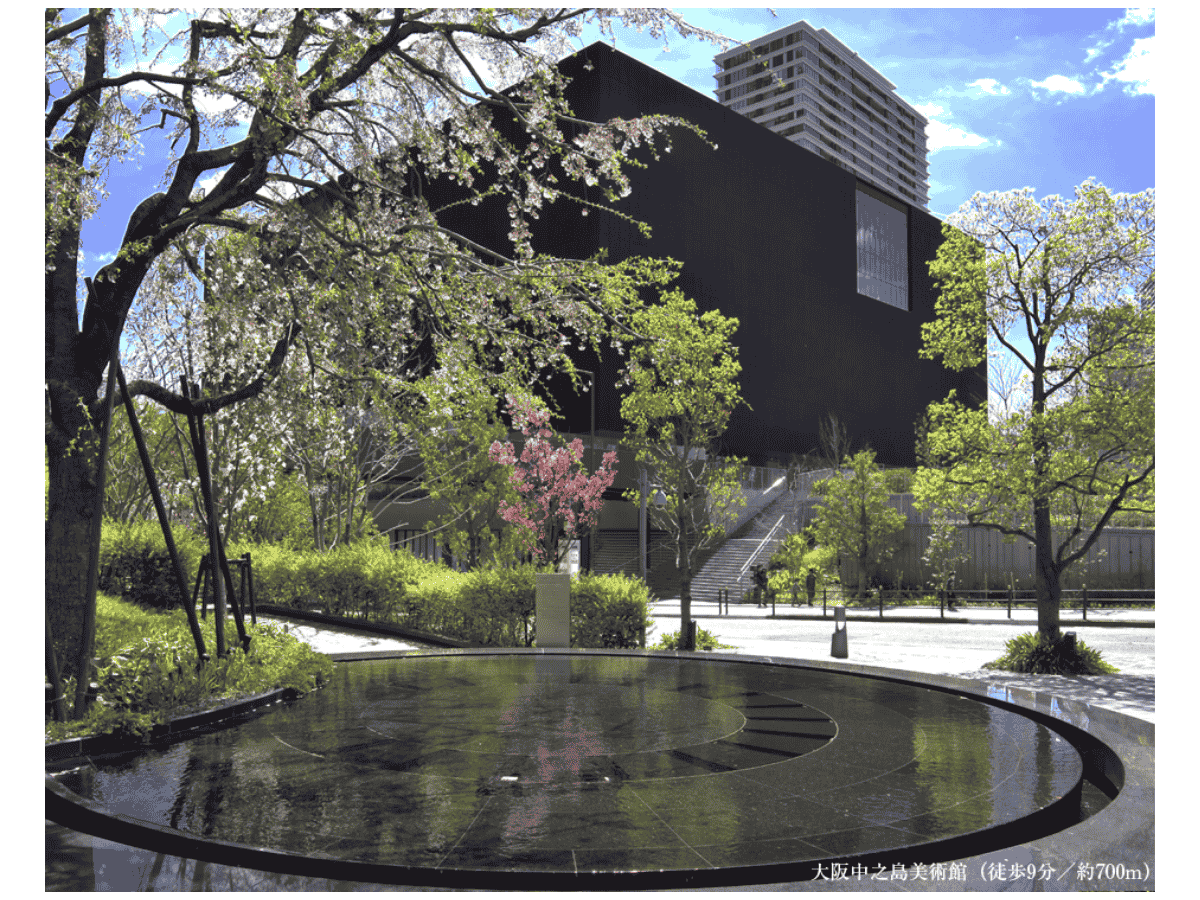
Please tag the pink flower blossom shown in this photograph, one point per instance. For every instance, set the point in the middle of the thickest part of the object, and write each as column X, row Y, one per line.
column 559, row 500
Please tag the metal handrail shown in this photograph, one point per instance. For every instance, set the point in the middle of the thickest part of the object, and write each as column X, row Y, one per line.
column 757, row 550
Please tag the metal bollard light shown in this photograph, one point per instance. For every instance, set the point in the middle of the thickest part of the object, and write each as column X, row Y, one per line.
column 840, row 648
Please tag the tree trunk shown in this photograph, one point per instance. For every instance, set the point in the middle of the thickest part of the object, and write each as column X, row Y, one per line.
column 685, row 588
column 1046, row 581
column 72, row 530
column 1049, row 588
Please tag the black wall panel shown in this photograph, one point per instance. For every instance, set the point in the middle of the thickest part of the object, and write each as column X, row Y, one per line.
column 766, row 233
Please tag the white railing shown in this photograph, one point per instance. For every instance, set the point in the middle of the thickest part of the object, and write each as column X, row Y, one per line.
column 757, row 550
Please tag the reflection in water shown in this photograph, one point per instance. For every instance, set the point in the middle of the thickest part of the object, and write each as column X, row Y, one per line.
column 558, row 762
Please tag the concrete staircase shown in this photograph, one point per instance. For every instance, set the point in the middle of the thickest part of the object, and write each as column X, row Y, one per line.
column 721, row 569
column 617, row 553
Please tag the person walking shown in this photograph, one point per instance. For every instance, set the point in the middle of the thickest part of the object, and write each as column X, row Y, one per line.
column 760, row 585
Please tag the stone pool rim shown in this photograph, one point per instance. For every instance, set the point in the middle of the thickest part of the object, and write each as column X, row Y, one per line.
column 1117, row 752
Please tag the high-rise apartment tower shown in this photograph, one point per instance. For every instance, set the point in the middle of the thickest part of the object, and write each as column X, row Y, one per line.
column 809, row 87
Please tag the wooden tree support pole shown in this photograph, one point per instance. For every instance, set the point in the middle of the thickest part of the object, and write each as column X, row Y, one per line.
column 196, row 428
column 232, row 595
column 248, row 569
column 196, row 591
column 161, row 510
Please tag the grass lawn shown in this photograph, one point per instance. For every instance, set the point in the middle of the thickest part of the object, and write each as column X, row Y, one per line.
column 148, row 669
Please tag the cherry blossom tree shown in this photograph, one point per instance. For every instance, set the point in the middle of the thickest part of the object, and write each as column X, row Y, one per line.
column 300, row 139
column 559, row 500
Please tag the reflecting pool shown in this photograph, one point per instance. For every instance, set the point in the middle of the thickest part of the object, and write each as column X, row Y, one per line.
column 433, row 765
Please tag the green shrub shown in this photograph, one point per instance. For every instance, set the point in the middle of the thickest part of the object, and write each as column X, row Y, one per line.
column 363, row 579
column 609, row 611
column 280, row 577
column 433, row 604
column 1036, row 654
column 705, row 640
column 135, row 564
column 492, row 607
column 498, row 606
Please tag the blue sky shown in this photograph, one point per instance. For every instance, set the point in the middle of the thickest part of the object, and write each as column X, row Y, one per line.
column 1016, row 97
column 1043, row 98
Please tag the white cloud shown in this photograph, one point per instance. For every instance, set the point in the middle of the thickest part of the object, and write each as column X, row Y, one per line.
column 936, row 187
column 207, row 103
column 1137, row 68
column 939, row 135
column 1135, row 17
column 989, row 86
column 1060, row 83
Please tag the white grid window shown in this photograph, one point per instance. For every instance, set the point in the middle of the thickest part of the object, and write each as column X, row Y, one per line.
column 882, row 239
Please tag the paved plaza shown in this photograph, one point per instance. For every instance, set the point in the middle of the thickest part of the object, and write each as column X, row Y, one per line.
column 924, row 642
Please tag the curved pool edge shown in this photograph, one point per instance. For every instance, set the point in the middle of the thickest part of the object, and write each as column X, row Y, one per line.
column 1100, row 853
column 62, row 753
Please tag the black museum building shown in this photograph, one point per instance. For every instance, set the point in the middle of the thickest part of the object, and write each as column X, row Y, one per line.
column 826, row 274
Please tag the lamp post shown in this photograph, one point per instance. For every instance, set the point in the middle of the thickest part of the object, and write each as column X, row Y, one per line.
column 591, row 463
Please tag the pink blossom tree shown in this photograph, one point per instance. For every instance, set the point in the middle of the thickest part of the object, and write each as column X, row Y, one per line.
column 559, row 500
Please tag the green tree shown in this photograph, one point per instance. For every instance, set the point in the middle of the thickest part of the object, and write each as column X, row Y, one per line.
column 683, row 385
column 1059, row 288
column 353, row 109
column 126, row 491
column 454, row 433
column 854, row 516
column 943, row 552
column 789, row 565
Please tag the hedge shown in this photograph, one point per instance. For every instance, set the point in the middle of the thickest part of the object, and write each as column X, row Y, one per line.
column 489, row 608
column 135, row 565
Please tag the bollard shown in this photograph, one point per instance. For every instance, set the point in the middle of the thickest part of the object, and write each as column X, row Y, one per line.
column 840, row 648
column 691, row 644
